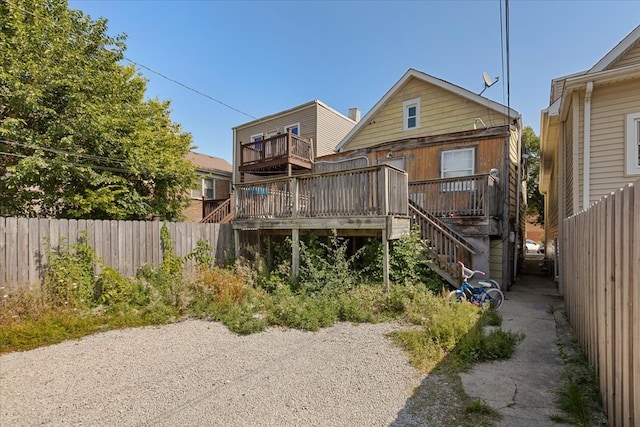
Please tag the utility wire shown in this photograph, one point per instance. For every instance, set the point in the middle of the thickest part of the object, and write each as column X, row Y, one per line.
column 104, row 168
column 58, row 151
column 141, row 65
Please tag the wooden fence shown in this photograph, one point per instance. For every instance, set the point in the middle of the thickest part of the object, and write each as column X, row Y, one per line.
column 601, row 253
column 123, row 245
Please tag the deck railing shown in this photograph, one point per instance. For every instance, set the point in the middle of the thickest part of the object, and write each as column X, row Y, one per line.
column 371, row 191
column 474, row 195
column 221, row 214
column 287, row 145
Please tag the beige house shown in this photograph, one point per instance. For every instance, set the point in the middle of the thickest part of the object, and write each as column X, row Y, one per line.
column 212, row 188
column 590, row 136
column 287, row 142
column 462, row 155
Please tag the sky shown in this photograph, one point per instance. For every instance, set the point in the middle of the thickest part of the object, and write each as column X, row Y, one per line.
column 249, row 59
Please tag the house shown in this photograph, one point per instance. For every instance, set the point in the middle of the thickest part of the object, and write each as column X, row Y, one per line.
column 288, row 141
column 590, row 137
column 428, row 150
column 213, row 186
column 276, row 193
column 462, row 155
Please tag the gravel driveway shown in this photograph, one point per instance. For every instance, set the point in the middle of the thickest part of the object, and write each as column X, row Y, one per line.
column 197, row 373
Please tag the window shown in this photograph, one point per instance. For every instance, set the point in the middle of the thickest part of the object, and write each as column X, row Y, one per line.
column 454, row 163
column 411, row 114
column 257, row 137
column 632, row 149
column 204, row 187
column 295, row 129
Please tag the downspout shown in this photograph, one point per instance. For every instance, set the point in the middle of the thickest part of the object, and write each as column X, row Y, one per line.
column 587, row 146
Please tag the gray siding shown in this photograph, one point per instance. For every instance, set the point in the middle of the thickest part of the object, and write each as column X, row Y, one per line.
column 332, row 128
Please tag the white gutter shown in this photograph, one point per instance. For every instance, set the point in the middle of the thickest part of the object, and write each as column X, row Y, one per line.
column 587, row 146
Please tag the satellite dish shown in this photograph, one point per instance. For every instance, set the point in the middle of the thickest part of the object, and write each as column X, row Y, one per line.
column 487, row 81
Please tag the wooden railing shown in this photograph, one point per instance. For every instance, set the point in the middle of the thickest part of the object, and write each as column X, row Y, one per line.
column 286, row 145
column 474, row 195
column 445, row 246
column 374, row 190
column 222, row 214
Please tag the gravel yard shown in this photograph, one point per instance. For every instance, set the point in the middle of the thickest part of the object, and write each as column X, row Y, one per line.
column 198, row 373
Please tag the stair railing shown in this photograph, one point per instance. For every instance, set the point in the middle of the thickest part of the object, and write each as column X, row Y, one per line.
column 445, row 246
column 220, row 214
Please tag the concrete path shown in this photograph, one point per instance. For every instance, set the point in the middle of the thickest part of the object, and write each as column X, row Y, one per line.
column 522, row 388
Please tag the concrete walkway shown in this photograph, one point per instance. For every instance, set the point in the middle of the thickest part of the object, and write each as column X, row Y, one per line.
column 522, row 388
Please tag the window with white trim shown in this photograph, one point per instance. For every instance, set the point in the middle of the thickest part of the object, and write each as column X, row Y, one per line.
column 632, row 146
column 411, row 114
column 257, row 137
column 294, row 128
column 204, row 187
column 455, row 163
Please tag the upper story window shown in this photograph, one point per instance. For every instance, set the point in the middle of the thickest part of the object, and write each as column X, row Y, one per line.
column 294, row 128
column 632, row 146
column 454, row 163
column 411, row 114
column 257, row 137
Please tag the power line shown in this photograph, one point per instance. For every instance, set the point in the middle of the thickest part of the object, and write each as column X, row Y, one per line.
column 141, row 65
column 58, row 151
column 104, row 168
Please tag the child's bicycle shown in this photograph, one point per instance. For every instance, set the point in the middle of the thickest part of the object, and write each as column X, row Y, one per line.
column 485, row 293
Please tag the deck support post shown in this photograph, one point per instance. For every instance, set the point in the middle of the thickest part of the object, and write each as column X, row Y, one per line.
column 236, row 242
column 385, row 260
column 295, row 252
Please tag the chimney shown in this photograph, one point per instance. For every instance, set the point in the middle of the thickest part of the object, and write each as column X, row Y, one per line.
column 354, row 114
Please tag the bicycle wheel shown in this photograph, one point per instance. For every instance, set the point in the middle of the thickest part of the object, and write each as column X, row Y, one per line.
column 494, row 297
column 456, row 296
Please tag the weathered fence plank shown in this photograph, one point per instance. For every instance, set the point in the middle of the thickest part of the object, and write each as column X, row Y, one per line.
column 123, row 245
column 601, row 249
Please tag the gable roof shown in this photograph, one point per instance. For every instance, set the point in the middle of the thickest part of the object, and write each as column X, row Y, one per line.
column 209, row 163
column 617, row 51
column 413, row 73
column 293, row 110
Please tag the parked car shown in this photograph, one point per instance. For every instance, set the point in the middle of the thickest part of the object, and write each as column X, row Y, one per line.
column 532, row 247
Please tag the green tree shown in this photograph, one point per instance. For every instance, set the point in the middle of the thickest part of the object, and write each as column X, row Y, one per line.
column 535, row 200
column 77, row 137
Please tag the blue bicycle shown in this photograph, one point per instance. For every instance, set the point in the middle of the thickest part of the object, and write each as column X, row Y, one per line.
column 485, row 294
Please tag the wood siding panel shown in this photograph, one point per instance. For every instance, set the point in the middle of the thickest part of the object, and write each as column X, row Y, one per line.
column 441, row 112
column 332, row 128
column 495, row 259
column 630, row 57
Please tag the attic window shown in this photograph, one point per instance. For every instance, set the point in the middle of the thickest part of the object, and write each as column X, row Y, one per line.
column 411, row 114
column 632, row 146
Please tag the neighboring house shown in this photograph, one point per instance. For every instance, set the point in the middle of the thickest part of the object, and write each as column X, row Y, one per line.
column 462, row 155
column 590, row 136
column 287, row 142
column 213, row 186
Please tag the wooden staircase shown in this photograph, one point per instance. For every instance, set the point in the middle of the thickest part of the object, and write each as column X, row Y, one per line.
column 445, row 246
column 223, row 214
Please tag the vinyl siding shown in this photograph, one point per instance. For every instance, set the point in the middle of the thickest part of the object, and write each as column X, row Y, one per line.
column 307, row 117
column 567, row 143
column 556, row 90
column 332, row 128
column 441, row 112
column 630, row 57
column 610, row 105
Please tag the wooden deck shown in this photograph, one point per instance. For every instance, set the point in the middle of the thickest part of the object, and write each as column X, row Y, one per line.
column 369, row 198
column 286, row 152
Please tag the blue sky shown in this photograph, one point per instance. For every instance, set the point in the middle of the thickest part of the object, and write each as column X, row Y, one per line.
column 261, row 57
